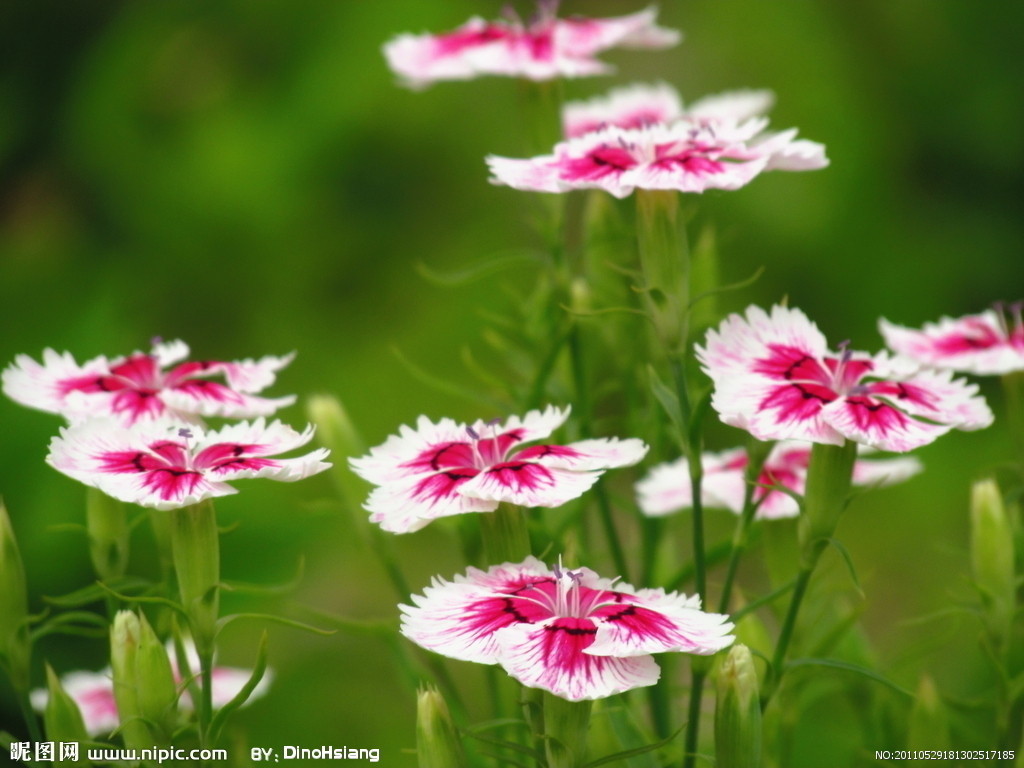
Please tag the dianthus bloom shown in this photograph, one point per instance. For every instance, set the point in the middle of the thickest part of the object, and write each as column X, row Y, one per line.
column 569, row 632
column 93, row 692
column 437, row 470
column 546, row 48
column 775, row 377
column 667, row 489
column 688, row 155
column 143, row 387
column 166, row 466
column 637, row 106
column 985, row 344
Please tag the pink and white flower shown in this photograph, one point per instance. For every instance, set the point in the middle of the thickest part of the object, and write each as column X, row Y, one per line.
column 985, row 344
column 637, row 106
column 569, row 632
column 437, row 470
column 143, row 387
column 667, row 489
column 774, row 376
column 166, row 466
column 93, row 692
column 545, row 48
column 687, row 156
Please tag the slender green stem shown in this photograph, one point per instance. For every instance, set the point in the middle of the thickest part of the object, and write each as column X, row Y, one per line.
column 741, row 537
column 565, row 728
column 774, row 675
column 693, row 720
column 505, row 537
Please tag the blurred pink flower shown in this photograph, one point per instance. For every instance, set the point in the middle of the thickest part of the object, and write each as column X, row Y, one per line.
column 569, row 632
column 687, row 156
column 545, row 48
column 774, row 376
column 637, row 106
column 140, row 387
column 666, row 488
column 437, row 470
column 165, row 466
column 989, row 343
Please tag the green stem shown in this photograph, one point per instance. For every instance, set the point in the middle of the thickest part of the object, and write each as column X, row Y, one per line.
column 693, row 719
column 1013, row 388
column 505, row 536
column 756, row 456
column 565, row 729
column 828, row 486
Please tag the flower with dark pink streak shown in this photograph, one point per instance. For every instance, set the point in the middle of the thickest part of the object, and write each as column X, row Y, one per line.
column 166, row 466
column 569, row 632
column 144, row 386
column 667, row 489
column 637, row 106
column 437, row 470
column 686, row 156
column 774, row 376
column 990, row 343
column 543, row 49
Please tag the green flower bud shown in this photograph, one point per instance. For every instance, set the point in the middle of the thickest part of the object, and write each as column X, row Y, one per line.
column 15, row 647
column 738, row 712
column 62, row 717
column 992, row 557
column 437, row 741
column 107, row 524
column 157, row 692
column 124, row 650
column 335, row 430
column 929, row 720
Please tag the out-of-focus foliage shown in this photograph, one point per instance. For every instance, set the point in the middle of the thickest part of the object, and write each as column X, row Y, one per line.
column 246, row 176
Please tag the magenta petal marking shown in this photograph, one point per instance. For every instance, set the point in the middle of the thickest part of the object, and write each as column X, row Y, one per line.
column 443, row 485
column 141, row 370
column 791, row 364
column 797, row 402
column 540, row 451
column 904, row 391
column 204, row 389
column 521, row 475
column 137, row 403
column 870, row 415
column 601, row 162
column 171, row 483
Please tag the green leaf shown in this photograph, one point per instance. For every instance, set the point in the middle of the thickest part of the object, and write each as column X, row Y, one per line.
column 730, row 287
column 224, row 621
column 841, row 549
column 259, row 669
column 94, row 593
column 848, row 667
column 670, row 404
column 284, row 588
column 480, row 269
column 634, row 752
column 441, row 385
column 510, row 745
column 65, row 624
column 764, row 600
column 177, row 607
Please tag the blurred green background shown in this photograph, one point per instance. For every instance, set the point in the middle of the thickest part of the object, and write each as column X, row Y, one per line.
column 247, row 176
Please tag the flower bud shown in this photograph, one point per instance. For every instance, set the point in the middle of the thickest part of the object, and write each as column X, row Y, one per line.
column 929, row 720
column 157, row 692
column 335, row 431
column 124, row 649
column 738, row 712
column 15, row 646
column 107, row 525
column 62, row 717
column 992, row 557
column 437, row 741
